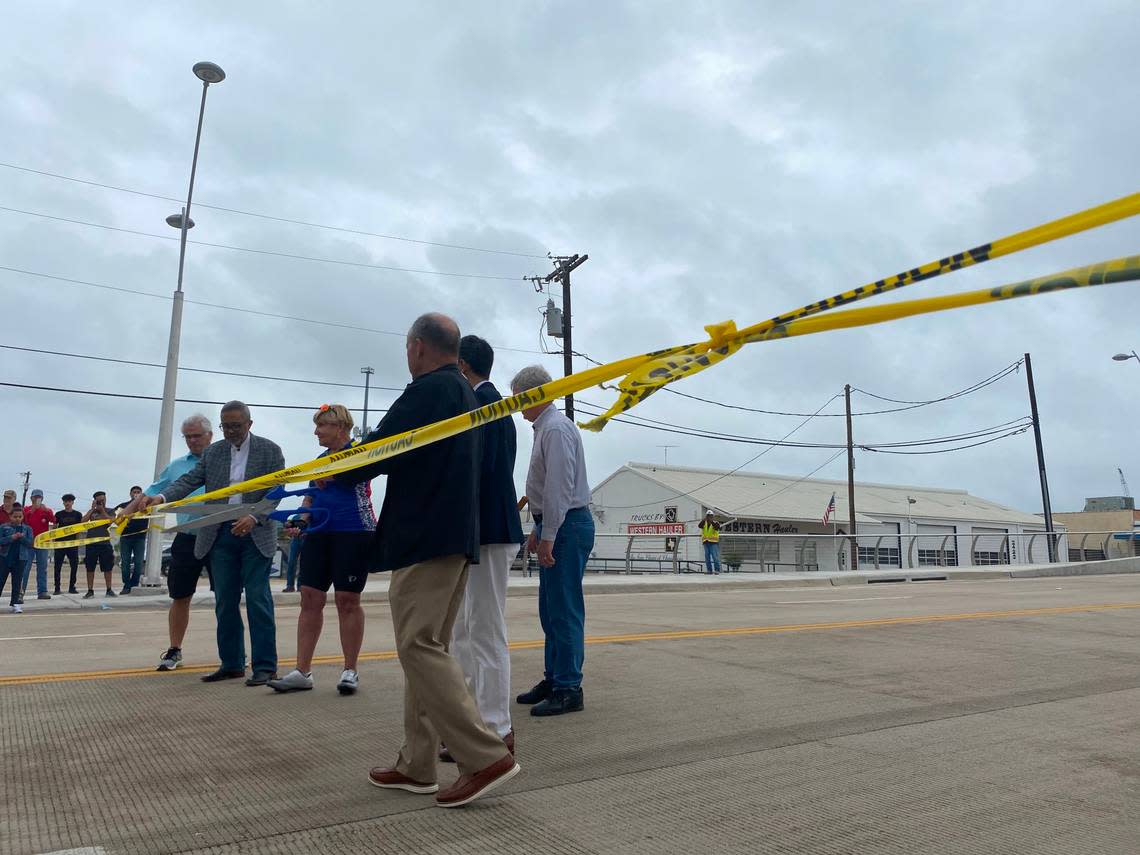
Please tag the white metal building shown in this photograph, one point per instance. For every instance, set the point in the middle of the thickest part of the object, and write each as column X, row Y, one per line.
column 897, row 526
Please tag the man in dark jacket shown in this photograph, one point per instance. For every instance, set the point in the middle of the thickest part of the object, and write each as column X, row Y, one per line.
column 427, row 534
column 479, row 640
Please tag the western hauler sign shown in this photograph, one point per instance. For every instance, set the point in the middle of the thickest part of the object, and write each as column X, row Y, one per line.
column 657, row 528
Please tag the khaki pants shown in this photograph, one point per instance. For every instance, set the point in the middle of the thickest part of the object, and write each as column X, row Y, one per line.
column 425, row 599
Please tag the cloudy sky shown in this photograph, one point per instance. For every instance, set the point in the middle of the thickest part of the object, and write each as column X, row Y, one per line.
column 716, row 160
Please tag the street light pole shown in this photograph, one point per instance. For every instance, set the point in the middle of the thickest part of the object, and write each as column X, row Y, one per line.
column 367, row 372
column 208, row 73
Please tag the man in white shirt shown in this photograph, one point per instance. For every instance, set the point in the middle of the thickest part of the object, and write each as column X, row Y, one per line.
column 563, row 537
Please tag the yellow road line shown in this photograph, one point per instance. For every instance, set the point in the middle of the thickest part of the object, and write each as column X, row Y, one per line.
column 667, row 635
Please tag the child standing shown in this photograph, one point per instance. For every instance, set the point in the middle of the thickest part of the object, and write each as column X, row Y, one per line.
column 16, row 552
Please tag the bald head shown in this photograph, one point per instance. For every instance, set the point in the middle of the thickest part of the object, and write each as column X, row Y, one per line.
column 433, row 342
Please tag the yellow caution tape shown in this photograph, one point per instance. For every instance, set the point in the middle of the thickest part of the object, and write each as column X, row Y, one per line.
column 642, row 375
column 725, row 339
column 636, row 390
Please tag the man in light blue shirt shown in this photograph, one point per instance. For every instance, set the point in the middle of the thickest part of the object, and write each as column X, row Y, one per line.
column 185, row 569
column 563, row 537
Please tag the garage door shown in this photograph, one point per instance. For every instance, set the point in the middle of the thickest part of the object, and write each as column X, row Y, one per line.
column 936, row 546
column 990, row 546
column 875, row 552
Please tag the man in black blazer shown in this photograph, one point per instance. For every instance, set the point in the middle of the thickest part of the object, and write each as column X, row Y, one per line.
column 479, row 640
column 427, row 534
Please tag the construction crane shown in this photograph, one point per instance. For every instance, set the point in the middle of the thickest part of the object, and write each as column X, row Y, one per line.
column 1123, row 483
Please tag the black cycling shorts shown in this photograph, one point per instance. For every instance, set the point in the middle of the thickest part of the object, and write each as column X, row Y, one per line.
column 336, row 559
column 185, row 569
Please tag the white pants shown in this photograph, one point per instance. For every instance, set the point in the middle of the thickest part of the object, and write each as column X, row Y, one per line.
column 479, row 639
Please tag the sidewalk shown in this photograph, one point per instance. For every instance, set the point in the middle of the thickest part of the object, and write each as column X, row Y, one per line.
column 613, row 583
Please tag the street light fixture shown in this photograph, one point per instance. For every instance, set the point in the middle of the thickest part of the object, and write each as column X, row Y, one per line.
column 208, row 73
column 1124, row 357
column 175, row 222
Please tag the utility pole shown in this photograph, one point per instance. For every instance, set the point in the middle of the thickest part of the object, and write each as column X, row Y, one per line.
column 666, row 449
column 851, row 482
column 367, row 371
column 27, row 480
column 563, row 264
column 1045, row 503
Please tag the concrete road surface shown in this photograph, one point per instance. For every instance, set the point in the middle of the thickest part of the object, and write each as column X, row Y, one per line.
column 940, row 717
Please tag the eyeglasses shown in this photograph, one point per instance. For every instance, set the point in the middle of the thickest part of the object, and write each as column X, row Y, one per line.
column 233, row 425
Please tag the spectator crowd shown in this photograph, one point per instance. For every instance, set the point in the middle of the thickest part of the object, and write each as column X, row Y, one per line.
column 20, row 525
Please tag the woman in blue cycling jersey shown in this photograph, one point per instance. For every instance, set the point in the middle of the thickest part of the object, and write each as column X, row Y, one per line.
column 335, row 556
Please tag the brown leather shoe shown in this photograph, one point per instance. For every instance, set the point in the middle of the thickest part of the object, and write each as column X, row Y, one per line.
column 390, row 779
column 471, row 787
column 445, row 755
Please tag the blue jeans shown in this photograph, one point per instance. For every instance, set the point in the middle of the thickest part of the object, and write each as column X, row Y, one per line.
column 561, row 607
column 291, row 564
column 10, row 571
column 41, row 562
column 132, row 550
column 238, row 565
column 712, row 557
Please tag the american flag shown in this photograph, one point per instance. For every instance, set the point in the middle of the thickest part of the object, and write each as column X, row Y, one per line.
column 830, row 510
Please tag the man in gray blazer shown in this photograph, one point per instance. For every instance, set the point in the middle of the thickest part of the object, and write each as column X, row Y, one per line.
column 240, row 551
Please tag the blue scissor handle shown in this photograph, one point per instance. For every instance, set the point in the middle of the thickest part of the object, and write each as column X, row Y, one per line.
column 278, row 493
column 318, row 517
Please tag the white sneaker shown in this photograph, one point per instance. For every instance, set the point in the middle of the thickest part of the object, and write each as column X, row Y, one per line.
column 294, row 681
column 349, row 681
column 17, row 609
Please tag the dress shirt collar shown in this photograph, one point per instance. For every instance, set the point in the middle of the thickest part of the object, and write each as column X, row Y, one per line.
column 544, row 417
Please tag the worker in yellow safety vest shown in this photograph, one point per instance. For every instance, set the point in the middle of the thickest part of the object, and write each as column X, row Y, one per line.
column 710, row 537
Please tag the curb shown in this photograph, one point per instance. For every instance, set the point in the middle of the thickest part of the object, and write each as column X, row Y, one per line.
column 528, row 586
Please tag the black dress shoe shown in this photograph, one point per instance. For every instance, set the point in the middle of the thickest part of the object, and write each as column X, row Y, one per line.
column 223, row 674
column 540, row 692
column 560, row 702
column 260, row 678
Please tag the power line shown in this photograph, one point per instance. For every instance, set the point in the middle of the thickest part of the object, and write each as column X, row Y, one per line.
column 196, row 370
column 733, row 471
column 231, row 308
column 958, row 448
column 275, row 253
column 787, row 487
column 271, row 217
column 310, row 407
column 685, row 430
column 974, row 387
column 981, row 384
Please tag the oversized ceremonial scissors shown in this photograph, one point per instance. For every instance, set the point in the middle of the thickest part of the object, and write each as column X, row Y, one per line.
column 213, row 514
